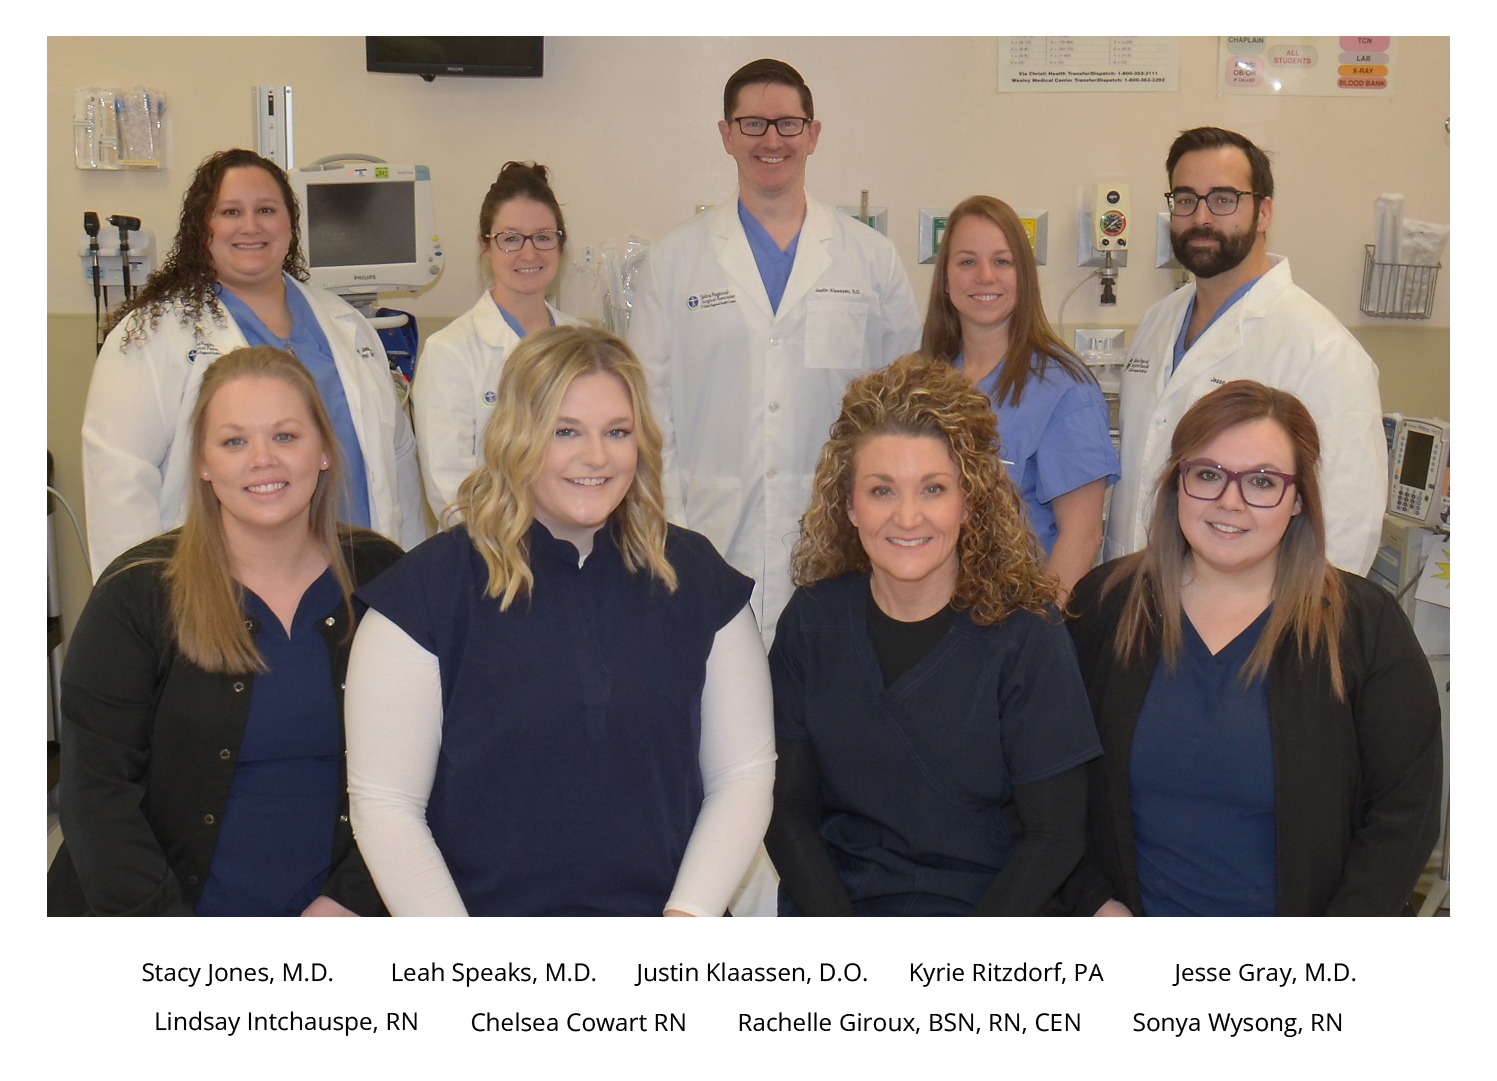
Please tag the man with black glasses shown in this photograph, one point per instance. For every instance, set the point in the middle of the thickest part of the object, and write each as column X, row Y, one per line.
column 751, row 319
column 1245, row 319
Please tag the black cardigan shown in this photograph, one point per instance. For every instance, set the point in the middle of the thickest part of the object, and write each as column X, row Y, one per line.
column 1356, row 783
column 149, row 745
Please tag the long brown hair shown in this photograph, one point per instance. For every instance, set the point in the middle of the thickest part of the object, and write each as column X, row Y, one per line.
column 1031, row 339
column 999, row 565
column 1308, row 598
column 187, row 276
column 205, row 600
column 496, row 501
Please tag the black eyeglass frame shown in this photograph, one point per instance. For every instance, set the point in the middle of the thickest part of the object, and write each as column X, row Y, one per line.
column 1171, row 196
column 1232, row 476
column 557, row 234
column 775, row 123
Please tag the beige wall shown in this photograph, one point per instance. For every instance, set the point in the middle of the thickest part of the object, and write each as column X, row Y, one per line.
column 628, row 127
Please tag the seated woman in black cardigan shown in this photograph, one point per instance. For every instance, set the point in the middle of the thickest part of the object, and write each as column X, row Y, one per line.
column 930, row 720
column 1270, row 725
column 202, row 723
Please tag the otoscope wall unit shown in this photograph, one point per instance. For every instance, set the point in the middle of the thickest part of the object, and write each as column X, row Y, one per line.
column 118, row 129
column 111, row 273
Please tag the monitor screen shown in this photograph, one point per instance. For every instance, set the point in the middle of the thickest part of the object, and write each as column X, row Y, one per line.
column 1418, row 448
column 355, row 224
column 368, row 227
column 494, row 57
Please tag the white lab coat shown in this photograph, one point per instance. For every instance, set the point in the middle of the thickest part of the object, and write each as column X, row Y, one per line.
column 745, row 395
column 140, row 400
column 1279, row 335
column 452, row 396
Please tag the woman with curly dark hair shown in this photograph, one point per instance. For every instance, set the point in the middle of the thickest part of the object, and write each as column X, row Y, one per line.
column 235, row 277
column 930, row 720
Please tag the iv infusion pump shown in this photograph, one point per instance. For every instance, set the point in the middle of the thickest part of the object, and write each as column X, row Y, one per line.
column 1419, row 466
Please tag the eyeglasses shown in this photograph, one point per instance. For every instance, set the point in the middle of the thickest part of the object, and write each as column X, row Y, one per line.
column 1261, row 488
column 1219, row 201
column 758, row 125
column 545, row 240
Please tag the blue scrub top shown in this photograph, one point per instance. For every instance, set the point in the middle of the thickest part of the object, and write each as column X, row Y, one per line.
column 275, row 845
column 514, row 324
column 1053, row 442
column 1202, row 781
column 774, row 265
column 569, row 779
column 1180, row 347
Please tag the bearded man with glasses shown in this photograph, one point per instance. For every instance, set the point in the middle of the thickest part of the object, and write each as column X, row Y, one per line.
column 1244, row 318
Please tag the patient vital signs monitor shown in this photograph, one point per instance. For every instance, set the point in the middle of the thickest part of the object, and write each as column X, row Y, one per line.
column 368, row 228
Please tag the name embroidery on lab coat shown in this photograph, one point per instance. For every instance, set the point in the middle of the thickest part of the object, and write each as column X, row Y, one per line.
column 1138, row 364
column 716, row 298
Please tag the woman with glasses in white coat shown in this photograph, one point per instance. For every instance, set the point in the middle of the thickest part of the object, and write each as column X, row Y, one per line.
column 522, row 238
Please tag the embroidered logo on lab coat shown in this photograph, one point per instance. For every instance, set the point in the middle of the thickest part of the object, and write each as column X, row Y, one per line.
column 716, row 298
column 206, row 349
column 1138, row 364
column 490, row 397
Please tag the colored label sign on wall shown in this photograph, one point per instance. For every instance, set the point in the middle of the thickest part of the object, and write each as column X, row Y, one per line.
column 1315, row 66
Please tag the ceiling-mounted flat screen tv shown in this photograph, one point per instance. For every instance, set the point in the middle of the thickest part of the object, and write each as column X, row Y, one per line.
column 495, row 58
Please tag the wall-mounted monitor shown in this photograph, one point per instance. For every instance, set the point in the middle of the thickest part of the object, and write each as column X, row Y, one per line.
column 368, row 227
column 494, row 58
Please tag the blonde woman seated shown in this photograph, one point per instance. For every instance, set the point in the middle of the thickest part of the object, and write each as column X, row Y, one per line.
column 931, row 723
column 560, row 705
column 1270, row 725
column 202, row 734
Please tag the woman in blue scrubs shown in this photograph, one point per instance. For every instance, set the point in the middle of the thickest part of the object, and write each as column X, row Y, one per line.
column 985, row 317
column 1270, row 726
column 202, row 733
column 930, row 721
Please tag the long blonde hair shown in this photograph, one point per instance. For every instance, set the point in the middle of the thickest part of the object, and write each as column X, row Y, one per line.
column 205, row 600
column 999, row 565
column 1308, row 597
column 496, row 501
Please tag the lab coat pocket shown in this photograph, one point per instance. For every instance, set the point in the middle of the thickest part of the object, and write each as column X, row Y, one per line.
column 837, row 332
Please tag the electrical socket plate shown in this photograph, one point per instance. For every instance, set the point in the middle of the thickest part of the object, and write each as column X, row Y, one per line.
column 879, row 214
column 1037, row 224
column 928, row 239
column 1164, row 251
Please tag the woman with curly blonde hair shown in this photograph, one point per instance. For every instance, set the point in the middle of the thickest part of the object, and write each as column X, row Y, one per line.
column 930, row 719
column 560, row 705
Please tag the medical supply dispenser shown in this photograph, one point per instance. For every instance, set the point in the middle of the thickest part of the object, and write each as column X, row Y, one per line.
column 118, row 129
